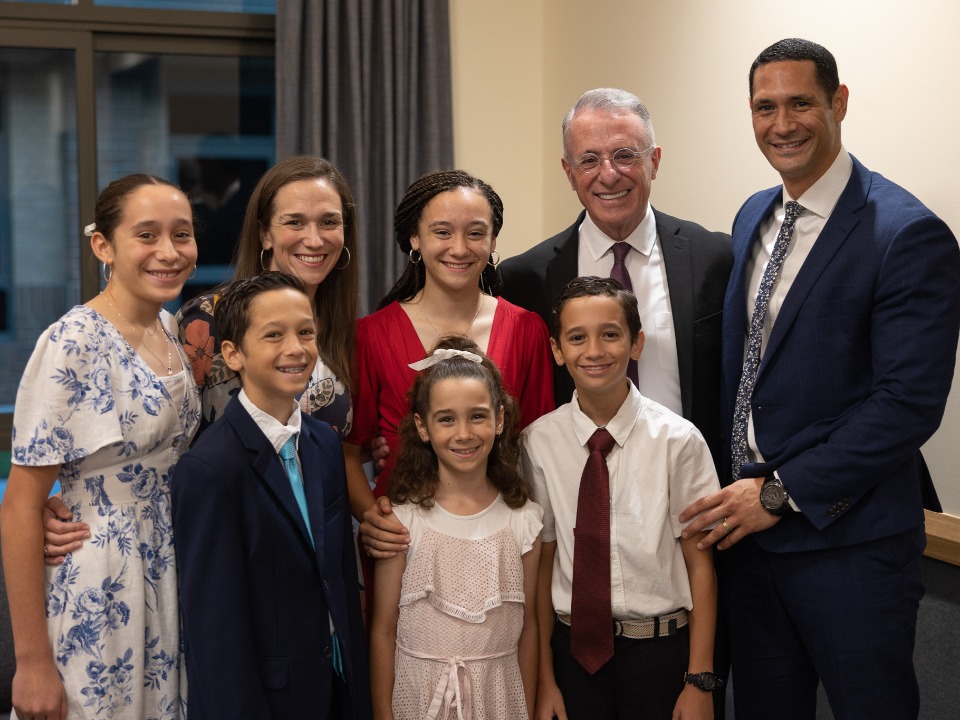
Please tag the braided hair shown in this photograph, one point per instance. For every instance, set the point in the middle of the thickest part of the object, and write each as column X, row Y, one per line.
column 406, row 222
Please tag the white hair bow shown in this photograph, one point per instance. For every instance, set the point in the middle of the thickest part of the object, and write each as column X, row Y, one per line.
column 444, row 354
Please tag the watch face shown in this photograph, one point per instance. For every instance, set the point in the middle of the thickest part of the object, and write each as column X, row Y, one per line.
column 707, row 682
column 772, row 496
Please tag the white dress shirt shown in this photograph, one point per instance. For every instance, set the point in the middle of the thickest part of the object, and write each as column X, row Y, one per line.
column 658, row 368
column 818, row 201
column 659, row 465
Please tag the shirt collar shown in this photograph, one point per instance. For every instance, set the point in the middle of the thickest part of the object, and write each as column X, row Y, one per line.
column 620, row 425
column 277, row 433
column 822, row 196
column 597, row 243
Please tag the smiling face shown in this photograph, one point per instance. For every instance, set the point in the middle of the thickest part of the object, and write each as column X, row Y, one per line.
column 616, row 199
column 461, row 426
column 278, row 351
column 797, row 126
column 153, row 250
column 595, row 345
column 305, row 233
column 455, row 238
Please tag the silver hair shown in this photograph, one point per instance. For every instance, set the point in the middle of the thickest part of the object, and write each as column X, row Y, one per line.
column 610, row 100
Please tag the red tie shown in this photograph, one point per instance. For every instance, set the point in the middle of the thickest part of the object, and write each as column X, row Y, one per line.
column 619, row 273
column 591, row 628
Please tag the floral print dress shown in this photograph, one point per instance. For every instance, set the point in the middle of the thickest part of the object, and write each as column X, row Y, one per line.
column 88, row 402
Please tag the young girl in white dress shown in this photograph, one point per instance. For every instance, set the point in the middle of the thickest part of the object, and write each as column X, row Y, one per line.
column 454, row 622
column 106, row 406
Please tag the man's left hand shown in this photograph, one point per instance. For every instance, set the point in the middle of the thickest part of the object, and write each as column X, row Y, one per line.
column 735, row 510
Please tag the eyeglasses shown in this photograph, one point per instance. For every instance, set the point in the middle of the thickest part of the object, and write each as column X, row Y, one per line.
column 624, row 159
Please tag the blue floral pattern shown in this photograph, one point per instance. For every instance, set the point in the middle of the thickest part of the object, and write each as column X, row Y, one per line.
column 90, row 404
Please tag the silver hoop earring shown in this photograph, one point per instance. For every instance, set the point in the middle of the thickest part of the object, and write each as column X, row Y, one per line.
column 491, row 262
column 349, row 258
column 265, row 268
column 419, row 256
column 106, row 275
column 192, row 275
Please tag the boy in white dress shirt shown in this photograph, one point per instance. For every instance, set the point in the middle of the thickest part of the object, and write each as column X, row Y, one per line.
column 652, row 654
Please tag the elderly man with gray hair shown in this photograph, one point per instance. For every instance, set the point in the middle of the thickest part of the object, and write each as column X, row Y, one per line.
column 678, row 270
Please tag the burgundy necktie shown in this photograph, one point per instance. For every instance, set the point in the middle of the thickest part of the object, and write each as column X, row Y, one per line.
column 591, row 627
column 620, row 274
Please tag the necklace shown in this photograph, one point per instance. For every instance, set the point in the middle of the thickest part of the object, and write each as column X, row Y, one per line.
column 430, row 322
column 143, row 336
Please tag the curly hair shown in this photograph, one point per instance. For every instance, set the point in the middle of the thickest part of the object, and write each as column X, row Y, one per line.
column 406, row 222
column 416, row 476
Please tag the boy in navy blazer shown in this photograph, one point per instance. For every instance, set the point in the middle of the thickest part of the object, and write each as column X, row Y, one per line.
column 268, row 580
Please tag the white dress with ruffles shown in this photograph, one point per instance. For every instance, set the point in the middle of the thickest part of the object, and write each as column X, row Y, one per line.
column 461, row 613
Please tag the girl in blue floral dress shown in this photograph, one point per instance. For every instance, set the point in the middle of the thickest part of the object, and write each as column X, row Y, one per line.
column 106, row 406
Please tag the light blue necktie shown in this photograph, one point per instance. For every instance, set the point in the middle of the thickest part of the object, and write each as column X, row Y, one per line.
column 288, row 454
column 751, row 359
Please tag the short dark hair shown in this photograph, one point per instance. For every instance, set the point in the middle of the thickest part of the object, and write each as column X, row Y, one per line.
column 233, row 309
column 593, row 286
column 407, row 220
column 415, row 478
column 828, row 78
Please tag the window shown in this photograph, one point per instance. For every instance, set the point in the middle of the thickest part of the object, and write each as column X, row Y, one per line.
column 89, row 93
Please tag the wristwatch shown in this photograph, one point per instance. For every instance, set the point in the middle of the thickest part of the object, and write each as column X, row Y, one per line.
column 773, row 496
column 706, row 681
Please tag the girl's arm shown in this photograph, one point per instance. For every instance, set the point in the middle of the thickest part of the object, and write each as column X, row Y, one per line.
column 694, row 703
column 549, row 700
column 358, row 487
column 37, row 688
column 388, row 575
column 529, row 649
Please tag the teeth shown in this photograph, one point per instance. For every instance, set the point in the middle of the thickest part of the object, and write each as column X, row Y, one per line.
column 611, row 196
column 787, row 146
column 457, row 266
column 292, row 370
column 311, row 259
column 165, row 275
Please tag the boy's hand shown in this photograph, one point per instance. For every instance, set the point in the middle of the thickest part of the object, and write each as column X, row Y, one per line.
column 735, row 511
column 550, row 702
column 60, row 536
column 379, row 450
column 382, row 535
column 693, row 704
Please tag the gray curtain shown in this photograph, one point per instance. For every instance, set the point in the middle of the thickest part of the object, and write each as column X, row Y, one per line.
column 366, row 84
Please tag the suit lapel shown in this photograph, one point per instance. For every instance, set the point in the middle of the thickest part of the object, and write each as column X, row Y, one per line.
column 562, row 268
column 266, row 463
column 835, row 232
column 312, row 460
column 679, row 267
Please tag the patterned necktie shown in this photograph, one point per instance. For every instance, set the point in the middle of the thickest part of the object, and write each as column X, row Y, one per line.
column 620, row 274
column 591, row 628
column 751, row 359
column 288, row 453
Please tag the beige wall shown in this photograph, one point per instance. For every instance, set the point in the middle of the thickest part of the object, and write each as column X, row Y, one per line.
column 520, row 64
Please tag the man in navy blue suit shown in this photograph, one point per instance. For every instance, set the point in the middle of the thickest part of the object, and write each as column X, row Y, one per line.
column 837, row 365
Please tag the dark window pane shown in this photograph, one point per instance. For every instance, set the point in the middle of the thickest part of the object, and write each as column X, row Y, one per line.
column 263, row 7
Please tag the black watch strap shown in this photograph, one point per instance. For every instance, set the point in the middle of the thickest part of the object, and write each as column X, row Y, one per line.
column 706, row 681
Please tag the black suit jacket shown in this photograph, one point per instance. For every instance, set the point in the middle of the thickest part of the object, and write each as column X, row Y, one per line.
column 698, row 265
column 256, row 598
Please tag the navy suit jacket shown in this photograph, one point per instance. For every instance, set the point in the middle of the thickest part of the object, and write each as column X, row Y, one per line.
column 856, row 373
column 698, row 264
column 256, row 598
